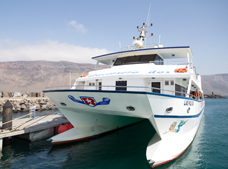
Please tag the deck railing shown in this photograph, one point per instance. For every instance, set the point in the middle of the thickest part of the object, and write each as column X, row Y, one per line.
column 152, row 45
column 124, row 88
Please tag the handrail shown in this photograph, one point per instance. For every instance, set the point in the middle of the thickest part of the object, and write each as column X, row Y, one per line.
column 177, row 61
column 107, row 87
column 29, row 119
column 152, row 45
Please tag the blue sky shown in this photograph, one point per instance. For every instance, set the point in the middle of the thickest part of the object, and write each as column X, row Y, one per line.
column 75, row 31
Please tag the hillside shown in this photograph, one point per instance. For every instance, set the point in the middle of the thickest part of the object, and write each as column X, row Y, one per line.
column 35, row 76
column 215, row 83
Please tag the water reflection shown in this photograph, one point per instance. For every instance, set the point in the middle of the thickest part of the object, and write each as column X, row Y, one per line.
column 125, row 148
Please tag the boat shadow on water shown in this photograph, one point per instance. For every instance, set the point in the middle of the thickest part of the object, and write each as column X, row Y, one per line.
column 123, row 148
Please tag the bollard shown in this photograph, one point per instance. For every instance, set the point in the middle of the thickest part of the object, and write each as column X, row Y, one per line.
column 7, row 115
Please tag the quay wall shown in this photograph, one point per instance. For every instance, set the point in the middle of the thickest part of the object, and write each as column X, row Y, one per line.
column 22, row 101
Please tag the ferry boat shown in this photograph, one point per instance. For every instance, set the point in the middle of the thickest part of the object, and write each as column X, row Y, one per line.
column 141, row 82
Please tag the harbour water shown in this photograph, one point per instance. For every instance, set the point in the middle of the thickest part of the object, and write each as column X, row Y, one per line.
column 126, row 148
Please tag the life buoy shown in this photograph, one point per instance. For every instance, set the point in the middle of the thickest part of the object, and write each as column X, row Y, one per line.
column 85, row 75
column 199, row 94
column 181, row 70
column 196, row 94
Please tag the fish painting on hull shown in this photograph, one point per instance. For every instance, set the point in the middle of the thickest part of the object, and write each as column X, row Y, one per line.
column 173, row 128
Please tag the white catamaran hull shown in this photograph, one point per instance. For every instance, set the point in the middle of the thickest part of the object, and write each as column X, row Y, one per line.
column 93, row 112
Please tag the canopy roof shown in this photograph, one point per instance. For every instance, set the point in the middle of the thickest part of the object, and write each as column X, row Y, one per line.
column 164, row 53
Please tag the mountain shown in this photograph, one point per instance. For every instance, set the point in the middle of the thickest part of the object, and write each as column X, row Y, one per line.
column 215, row 83
column 35, row 76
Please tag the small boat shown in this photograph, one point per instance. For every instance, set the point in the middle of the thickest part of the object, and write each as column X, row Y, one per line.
column 142, row 82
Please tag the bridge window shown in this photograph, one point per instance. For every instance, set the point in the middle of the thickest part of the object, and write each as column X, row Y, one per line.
column 156, row 59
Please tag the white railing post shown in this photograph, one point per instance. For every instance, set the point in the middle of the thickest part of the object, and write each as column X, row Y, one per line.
column 1, row 144
column 188, row 60
column 189, row 87
column 95, row 67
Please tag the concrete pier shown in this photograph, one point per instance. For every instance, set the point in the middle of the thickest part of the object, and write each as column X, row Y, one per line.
column 33, row 129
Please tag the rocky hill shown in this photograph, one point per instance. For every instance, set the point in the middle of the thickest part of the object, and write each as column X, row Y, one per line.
column 35, row 76
column 218, row 84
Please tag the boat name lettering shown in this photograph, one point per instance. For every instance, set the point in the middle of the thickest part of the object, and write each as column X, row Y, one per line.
column 160, row 71
column 90, row 101
column 114, row 73
column 188, row 103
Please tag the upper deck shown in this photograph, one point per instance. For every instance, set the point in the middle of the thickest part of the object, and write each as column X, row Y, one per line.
column 164, row 53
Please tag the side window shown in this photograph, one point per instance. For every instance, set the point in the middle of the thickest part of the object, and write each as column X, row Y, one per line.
column 171, row 82
column 121, row 85
column 180, row 91
column 100, row 86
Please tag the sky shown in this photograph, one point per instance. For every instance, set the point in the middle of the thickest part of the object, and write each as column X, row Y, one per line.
column 76, row 31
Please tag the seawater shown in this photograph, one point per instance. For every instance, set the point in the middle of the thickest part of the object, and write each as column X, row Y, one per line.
column 126, row 148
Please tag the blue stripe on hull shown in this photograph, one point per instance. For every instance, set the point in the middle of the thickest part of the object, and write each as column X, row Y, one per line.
column 170, row 116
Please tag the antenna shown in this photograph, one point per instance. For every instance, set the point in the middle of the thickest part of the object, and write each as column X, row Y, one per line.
column 148, row 19
column 159, row 40
column 120, row 45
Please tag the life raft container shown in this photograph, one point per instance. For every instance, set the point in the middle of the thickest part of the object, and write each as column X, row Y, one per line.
column 181, row 70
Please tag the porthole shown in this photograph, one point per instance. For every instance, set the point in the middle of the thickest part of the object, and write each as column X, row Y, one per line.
column 63, row 104
column 130, row 108
column 169, row 109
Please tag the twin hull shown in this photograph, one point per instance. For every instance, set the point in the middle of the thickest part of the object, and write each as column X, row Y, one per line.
column 93, row 112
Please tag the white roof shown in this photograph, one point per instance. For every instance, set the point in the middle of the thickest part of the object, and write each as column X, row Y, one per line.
column 165, row 53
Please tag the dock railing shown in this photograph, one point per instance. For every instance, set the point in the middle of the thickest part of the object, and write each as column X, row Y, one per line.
column 34, row 120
